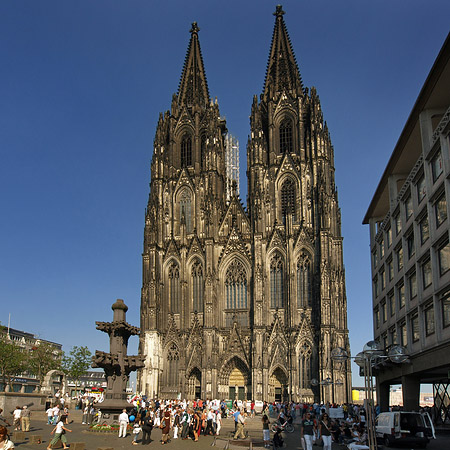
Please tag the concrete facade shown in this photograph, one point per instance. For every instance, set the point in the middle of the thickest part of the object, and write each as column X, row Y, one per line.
column 409, row 241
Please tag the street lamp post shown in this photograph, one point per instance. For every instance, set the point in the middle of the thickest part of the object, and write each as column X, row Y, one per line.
column 371, row 355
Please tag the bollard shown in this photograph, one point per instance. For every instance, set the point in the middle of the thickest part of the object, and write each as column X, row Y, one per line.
column 77, row 446
column 18, row 436
column 35, row 439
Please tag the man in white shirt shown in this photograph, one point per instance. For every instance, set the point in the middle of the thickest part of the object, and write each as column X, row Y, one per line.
column 123, row 423
column 16, row 417
column 55, row 414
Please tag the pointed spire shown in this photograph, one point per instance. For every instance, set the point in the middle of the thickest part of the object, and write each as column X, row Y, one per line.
column 282, row 72
column 193, row 88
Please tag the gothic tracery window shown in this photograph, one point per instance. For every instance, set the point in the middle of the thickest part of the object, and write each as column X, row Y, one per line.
column 276, row 282
column 288, row 198
column 236, row 285
column 172, row 359
column 286, row 136
column 174, row 288
column 186, row 150
column 305, row 362
column 304, row 280
column 185, row 210
column 197, row 285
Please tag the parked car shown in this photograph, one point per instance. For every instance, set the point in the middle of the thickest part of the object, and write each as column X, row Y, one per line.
column 401, row 427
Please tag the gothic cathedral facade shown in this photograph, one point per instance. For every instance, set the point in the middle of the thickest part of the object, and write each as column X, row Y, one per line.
column 244, row 303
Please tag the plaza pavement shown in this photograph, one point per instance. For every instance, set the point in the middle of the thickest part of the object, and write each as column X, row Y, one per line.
column 95, row 440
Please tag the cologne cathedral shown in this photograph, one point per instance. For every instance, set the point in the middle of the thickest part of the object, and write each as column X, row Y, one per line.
column 244, row 303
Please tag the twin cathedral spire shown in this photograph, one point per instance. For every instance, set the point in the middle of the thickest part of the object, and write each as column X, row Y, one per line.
column 232, row 296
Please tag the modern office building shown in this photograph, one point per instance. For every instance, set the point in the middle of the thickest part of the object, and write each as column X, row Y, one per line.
column 409, row 240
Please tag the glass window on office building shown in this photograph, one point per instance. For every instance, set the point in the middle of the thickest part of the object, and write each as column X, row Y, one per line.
column 401, row 295
column 436, row 165
column 415, row 335
column 383, row 279
column 444, row 258
column 377, row 317
column 375, row 258
column 421, row 189
column 428, row 314
column 383, row 311
column 381, row 248
column 393, row 336
column 412, row 282
column 390, row 269
column 408, row 207
column 426, row 273
column 410, row 244
column 391, row 301
column 399, row 257
column 375, row 286
column 440, row 210
column 389, row 237
column 398, row 224
column 403, row 334
column 446, row 310
column 424, row 229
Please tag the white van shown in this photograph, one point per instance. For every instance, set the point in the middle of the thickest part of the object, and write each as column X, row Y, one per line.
column 403, row 427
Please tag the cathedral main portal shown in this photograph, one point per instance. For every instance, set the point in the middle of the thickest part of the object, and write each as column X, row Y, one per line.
column 235, row 380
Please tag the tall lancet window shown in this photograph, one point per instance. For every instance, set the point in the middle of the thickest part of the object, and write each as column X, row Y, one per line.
column 286, row 136
column 197, row 285
column 304, row 280
column 185, row 210
column 203, row 151
column 186, row 150
column 276, row 282
column 236, row 285
column 288, row 199
column 172, row 365
column 174, row 288
column 305, row 363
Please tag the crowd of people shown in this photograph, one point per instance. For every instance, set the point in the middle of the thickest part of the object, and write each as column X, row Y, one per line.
column 181, row 419
column 191, row 419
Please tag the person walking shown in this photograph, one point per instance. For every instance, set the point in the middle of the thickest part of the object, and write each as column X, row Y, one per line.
column 218, row 422
column 49, row 413
column 25, row 419
column 60, row 434
column 325, row 431
column 266, row 431
column 147, row 427
column 308, row 429
column 185, row 420
column 123, row 423
column 165, row 427
column 240, row 427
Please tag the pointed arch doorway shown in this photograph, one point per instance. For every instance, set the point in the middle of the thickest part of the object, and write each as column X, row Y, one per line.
column 278, row 384
column 235, row 380
column 195, row 384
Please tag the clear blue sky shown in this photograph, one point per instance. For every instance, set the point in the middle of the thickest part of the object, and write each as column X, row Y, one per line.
column 81, row 86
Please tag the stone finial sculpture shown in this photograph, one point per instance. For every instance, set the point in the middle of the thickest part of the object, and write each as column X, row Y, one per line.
column 117, row 364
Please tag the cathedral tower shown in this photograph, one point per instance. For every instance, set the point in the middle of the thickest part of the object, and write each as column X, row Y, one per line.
column 244, row 303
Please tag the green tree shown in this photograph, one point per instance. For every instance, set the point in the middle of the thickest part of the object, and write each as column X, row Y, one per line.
column 13, row 360
column 43, row 358
column 76, row 364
